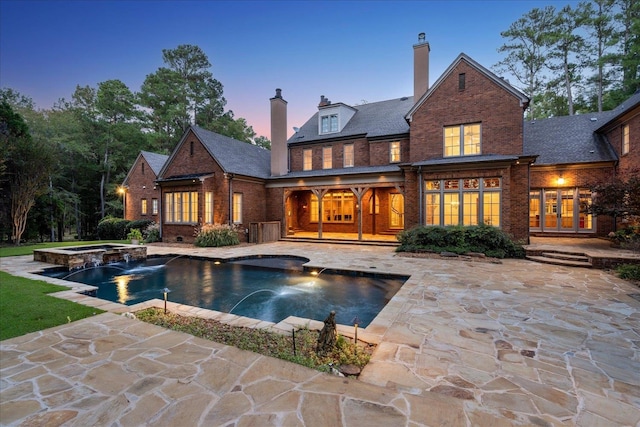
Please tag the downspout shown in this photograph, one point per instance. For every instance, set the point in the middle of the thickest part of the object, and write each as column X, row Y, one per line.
column 420, row 196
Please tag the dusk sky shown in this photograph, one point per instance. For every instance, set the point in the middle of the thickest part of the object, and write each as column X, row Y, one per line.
column 350, row 52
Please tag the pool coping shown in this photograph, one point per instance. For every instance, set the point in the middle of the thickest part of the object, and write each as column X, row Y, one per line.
column 372, row 334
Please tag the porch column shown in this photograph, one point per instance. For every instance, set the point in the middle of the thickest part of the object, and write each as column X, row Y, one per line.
column 359, row 192
column 319, row 194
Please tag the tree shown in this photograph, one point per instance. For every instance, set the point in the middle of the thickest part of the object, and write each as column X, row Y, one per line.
column 262, row 141
column 24, row 181
column 565, row 50
column 228, row 126
column 527, row 50
column 618, row 197
column 181, row 94
column 629, row 40
column 601, row 28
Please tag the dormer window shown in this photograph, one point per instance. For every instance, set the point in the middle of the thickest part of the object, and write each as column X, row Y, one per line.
column 329, row 124
column 332, row 118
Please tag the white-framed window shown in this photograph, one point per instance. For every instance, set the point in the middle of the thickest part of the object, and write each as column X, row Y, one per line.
column 327, row 158
column 307, row 159
column 329, row 123
column 469, row 201
column 625, row 139
column 394, row 151
column 154, row 206
column 143, row 207
column 208, row 207
column 462, row 140
column 181, row 207
column 348, row 156
column 237, row 208
column 337, row 206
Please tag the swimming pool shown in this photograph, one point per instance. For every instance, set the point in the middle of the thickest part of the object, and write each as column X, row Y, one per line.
column 265, row 288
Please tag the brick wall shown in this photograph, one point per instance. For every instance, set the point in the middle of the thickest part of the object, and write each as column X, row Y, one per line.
column 482, row 101
column 141, row 186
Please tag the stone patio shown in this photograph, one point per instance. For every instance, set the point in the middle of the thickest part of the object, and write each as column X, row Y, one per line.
column 462, row 343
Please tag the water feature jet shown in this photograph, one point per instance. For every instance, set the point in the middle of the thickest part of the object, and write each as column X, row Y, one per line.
column 252, row 293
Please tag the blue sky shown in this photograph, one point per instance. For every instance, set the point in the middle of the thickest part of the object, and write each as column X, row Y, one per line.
column 348, row 51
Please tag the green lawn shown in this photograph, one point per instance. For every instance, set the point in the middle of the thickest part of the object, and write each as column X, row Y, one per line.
column 25, row 306
column 28, row 249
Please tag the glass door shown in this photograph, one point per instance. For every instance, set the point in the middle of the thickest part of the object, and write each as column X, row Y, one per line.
column 560, row 210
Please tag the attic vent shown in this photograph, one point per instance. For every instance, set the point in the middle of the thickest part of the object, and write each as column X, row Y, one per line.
column 594, row 119
column 404, row 98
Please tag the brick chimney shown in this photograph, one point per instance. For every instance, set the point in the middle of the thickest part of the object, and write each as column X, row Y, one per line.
column 279, row 154
column 323, row 101
column 420, row 67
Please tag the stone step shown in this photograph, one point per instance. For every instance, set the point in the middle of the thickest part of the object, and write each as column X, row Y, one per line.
column 341, row 241
column 555, row 261
column 566, row 256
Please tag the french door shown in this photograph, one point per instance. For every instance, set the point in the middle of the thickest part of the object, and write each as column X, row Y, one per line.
column 559, row 210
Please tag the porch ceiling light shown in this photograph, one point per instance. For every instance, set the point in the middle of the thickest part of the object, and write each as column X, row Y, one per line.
column 560, row 181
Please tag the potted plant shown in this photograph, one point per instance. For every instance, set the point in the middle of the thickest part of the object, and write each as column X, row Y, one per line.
column 135, row 235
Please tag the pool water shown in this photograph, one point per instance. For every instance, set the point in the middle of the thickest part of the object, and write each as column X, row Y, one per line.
column 270, row 289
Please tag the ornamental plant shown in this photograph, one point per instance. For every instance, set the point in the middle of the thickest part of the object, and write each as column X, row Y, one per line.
column 216, row 235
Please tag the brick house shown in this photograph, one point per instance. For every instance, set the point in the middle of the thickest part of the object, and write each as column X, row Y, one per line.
column 573, row 152
column 458, row 152
column 141, row 193
column 208, row 178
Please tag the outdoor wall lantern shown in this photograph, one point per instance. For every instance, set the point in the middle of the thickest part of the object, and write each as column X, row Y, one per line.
column 560, row 180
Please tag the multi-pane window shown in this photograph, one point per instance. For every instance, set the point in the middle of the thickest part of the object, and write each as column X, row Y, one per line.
column 329, row 124
column 181, row 207
column 396, row 214
column 625, row 139
column 327, row 158
column 394, row 152
column 469, row 201
column 154, row 206
column 208, row 207
column 237, row 208
column 462, row 140
column 348, row 156
column 337, row 206
column 307, row 159
column 143, row 207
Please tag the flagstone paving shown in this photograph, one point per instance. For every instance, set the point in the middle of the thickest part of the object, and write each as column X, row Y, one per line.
column 461, row 344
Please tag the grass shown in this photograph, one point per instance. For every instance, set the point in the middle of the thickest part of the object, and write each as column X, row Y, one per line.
column 264, row 342
column 25, row 306
column 14, row 250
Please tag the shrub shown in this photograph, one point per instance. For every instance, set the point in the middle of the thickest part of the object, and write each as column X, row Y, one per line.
column 628, row 237
column 140, row 224
column 152, row 233
column 485, row 239
column 629, row 271
column 111, row 228
column 135, row 234
column 215, row 235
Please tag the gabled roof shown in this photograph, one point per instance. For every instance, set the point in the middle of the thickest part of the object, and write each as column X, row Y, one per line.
column 466, row 58
column 375, row 119
column 156, row 161
column 568, row 139
column 233, row 156
column 629, row 104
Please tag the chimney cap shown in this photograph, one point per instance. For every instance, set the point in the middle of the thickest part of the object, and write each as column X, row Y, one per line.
column 421, row 37
column 278, row 93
